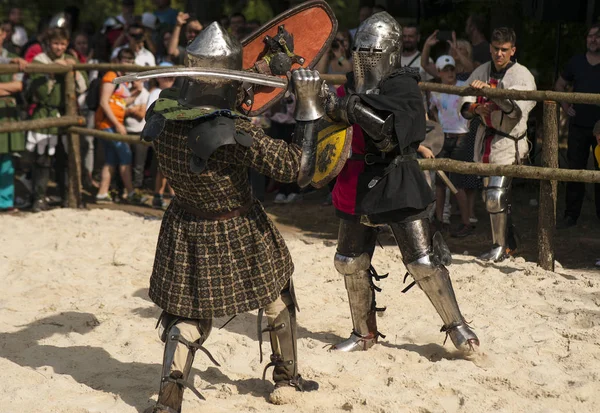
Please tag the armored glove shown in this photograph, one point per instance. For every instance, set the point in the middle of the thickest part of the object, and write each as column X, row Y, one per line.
column 307, row 87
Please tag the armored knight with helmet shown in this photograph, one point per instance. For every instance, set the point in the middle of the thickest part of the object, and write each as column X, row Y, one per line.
column 218, row 254
column 381, row 184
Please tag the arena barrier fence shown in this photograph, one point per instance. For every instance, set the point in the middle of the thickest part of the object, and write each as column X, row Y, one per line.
column 548, row 173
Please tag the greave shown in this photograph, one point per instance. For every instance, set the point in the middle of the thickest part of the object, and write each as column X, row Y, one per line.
column 434, row 280
column 499, row 223
column 495, row 195
column 182, row 338
column 281, row 320
column 361, row 296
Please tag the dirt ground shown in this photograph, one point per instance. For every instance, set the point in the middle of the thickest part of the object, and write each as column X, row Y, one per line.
column 577, row 247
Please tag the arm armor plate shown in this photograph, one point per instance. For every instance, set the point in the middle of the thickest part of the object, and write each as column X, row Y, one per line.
column 381, row 130
column 349, row 109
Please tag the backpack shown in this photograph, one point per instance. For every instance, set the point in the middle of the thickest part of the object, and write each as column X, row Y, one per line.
column 92, row 99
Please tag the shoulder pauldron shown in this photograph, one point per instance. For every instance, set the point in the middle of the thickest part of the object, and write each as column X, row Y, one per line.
column 212, row 128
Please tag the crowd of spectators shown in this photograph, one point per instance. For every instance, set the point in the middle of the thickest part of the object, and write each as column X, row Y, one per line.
column 116, row 171
column 112, row 170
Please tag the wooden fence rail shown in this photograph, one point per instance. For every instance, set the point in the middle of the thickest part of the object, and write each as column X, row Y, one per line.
column 26, row 125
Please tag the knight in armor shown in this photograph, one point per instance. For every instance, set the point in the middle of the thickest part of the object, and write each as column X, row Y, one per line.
column 502, row 135
column 381, row 184
column 218, row 254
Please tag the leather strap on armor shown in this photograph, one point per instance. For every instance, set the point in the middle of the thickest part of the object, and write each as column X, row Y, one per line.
column 489, row 131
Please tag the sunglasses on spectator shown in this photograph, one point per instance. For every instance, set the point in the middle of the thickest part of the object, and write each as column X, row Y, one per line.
column 136, row 36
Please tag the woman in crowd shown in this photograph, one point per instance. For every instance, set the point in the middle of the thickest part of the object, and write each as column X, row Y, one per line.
column 110, row 117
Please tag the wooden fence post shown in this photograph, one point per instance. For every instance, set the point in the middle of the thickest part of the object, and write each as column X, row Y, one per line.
column 548, row 189
column 74, row 155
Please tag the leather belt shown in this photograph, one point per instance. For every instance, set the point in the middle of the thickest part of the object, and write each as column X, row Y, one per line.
column 218, row 216
column 455, row 135
column 370, row 158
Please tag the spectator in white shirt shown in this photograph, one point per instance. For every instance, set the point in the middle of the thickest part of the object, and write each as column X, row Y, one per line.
column 160, row 183
column 411, row 56
column 134, row 123
column 136, row 35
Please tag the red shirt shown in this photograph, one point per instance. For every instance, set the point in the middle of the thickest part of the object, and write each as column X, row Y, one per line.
column 343, row 195
column 33, row 50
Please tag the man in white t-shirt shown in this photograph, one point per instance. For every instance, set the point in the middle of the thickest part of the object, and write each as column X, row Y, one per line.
column 160, row 182
column 411, row 56
column 134, row 123
column 135, row 41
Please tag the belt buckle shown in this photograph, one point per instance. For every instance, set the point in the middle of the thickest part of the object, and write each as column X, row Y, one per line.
column 367, row 156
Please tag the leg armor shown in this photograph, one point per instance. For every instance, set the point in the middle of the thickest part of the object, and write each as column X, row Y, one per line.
column 495, row 196
column 182, row 338
column 433, row 278
column 356, row 243
column 281, row 319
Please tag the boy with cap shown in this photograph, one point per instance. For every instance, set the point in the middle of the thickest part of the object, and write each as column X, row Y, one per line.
column 445, row 109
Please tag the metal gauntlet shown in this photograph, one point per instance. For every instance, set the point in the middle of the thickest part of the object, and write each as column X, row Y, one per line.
column 307, row 86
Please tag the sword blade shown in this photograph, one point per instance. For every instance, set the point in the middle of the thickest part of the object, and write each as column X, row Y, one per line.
column 229, row 74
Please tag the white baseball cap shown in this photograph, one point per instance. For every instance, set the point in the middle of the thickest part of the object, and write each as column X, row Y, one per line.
column 149, row 20
column 444, row 61
column 19, row 37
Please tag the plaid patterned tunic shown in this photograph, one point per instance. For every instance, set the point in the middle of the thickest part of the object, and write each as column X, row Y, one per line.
column 214, row 268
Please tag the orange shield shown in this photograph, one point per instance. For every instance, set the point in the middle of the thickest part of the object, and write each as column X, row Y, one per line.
column 313, row 27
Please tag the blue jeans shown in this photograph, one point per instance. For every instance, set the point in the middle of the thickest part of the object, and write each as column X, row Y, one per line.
column 7, row 185
column 116, row 153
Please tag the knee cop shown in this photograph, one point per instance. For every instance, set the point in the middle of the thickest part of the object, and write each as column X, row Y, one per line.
column 495, row 194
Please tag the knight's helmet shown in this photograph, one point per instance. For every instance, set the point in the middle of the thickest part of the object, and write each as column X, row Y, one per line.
column 376, row 51
column 59, row 20
column 212, row 48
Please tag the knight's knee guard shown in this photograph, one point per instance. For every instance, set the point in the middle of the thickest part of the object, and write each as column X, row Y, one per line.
column 282, row 329
column 182, row 338
column 496, row 191
column 434, row 280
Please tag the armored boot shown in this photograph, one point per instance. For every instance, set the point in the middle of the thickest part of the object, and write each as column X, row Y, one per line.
column 356, row 243
column 182, row 338
column 281, row 316
column 358, row 274
column 433, row 278
column 495, row 196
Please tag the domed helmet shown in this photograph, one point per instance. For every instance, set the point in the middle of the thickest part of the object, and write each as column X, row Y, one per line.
column 376, row 51
column 59, row 20
column 214, row 47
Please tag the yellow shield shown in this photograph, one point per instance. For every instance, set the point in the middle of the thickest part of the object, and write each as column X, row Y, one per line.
column 333, row 148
